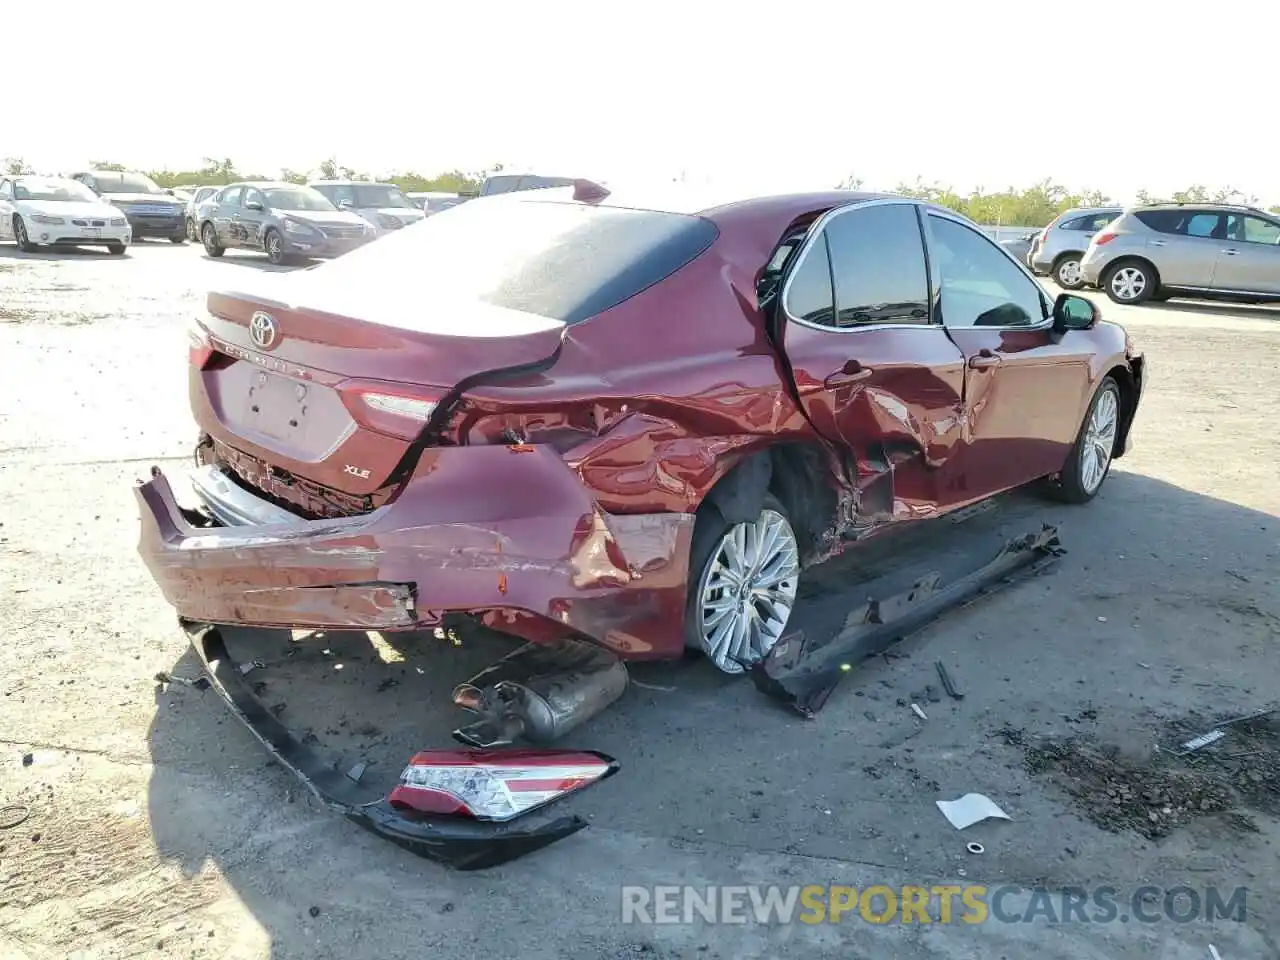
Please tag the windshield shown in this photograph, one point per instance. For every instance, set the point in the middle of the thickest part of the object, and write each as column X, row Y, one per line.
column 126, row 183
column 563, row 261
column 25, row 189
column 297, row 198
column 374, row 195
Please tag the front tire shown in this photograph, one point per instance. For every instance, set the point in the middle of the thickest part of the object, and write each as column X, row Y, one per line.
column 1089, row 462
column 176, row 240
column 20, row 235
column 742, row 587
column 209, row 237
column 115, row 249
column 191, row 231
column 1067, row 273
column 273, row 243
column 1130, row 282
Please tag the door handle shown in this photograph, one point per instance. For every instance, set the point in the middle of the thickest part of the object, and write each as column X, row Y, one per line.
column 852, row 372
column 1230, row 253
column 984, row 360
column 1157, row 243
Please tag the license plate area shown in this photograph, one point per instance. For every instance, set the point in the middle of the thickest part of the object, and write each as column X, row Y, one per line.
column 276, row 406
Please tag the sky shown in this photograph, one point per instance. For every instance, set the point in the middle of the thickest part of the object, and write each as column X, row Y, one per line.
column 1118, row 96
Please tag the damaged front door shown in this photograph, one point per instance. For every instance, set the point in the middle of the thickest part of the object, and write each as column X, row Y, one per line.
column 1024, row 385
column 872, row 371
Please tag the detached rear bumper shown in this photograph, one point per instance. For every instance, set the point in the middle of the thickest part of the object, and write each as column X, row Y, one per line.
column 510, row 535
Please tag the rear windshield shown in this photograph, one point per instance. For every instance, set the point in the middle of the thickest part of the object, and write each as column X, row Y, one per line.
column 112, row 182
column 562, row 261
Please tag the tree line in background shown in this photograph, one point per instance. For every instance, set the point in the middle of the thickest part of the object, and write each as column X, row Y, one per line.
column 215, row 172
column 1034, row 206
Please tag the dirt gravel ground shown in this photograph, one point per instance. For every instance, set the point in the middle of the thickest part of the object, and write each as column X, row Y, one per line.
column 156, row 827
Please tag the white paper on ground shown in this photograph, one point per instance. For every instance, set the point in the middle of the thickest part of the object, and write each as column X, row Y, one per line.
column 969, row 809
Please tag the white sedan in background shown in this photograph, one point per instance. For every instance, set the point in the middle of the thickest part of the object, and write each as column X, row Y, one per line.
column 35, row 211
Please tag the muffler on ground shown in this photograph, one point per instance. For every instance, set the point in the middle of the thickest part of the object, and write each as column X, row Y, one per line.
column 539, row 693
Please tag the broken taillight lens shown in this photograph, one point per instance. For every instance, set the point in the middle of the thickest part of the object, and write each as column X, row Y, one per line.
column 494, row 784
column 387, row 410
column 1104, row 238
column 200, row 347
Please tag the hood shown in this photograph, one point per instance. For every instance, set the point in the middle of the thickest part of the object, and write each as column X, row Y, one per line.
column 70, row 208
column 321, row 216
column 401, row 213
column 157, row 199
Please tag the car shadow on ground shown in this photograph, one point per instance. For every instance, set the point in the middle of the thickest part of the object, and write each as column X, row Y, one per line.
column 257, row 262
column 1163, row 604
column 9, row 251
column 1247, row 311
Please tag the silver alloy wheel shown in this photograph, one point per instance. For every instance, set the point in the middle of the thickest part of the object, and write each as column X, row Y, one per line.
column 747, row 591
column 20, row 234
column 1128, row 283
column 207, row 237
column 1069, row 273
column 274, row 247
column 1099, row 440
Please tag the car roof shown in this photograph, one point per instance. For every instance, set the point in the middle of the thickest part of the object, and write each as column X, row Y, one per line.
column 351, row 183
column 1198, row 205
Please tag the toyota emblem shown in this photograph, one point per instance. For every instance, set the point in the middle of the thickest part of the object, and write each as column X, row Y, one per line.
column 262, row 327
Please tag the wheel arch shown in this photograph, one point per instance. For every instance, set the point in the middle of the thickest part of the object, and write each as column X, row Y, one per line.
column 794, row 472
column 1119, row 262
column 1126, row 379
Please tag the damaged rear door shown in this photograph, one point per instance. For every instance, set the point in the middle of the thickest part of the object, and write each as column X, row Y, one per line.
column 872, row 370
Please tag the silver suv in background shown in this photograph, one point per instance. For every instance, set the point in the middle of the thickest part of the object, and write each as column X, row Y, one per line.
column 1211, row 251
column 198, row 196
column 1059, row 248
column 382, row 204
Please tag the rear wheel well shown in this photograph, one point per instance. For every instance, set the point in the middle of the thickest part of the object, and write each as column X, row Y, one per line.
column 1146, row 264
column 1064, row 255
column 795, row 473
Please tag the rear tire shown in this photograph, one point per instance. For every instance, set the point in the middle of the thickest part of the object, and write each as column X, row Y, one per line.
column 1130, row 282
column 115, row 249
column 1089, row 462
column 20, row 236
column 1066, row 272
column 742, row 585
column 191, row 231
column 176, row 240
column 209, row 237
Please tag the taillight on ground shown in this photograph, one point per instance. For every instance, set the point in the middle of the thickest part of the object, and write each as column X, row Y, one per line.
column 494, row 784
column 1103, row 239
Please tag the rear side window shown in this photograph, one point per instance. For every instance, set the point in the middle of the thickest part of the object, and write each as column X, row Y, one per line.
column 1090, row 222
column 1187, row 223
column 809, row 295
column 877, row 262
column 562, row 261
column 231, row 197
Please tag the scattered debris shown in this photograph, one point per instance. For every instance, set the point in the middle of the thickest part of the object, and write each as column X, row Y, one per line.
column 251, row 665
column 1213, row 952
column 314, row 911
column 947, row 685
column 916, row 709
column 975, row 847
column 1213, row 736
column 1243, row 579
column 387, row 684
column 970, row 809
column 1102, row 619
column 931, row 693
column 13, row 815
column 1144, row 666
column 28, row 759
column 356, row 772
column 653, row 686
column 199, row 683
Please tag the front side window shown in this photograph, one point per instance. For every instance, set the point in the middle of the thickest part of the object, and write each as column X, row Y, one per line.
column 878, row 266
column 1244, row 229
column 981, row 286
column 250, row 195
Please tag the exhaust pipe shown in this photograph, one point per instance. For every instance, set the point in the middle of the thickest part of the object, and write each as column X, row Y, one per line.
column 540, row 692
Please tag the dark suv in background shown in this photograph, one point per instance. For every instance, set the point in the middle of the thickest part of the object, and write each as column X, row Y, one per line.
column 151, row 210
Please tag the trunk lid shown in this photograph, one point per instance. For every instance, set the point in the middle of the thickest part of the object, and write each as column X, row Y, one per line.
column 336, row 396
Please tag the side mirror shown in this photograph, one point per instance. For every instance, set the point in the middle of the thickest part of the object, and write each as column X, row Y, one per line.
column 1074, row 313
column 253, row 204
